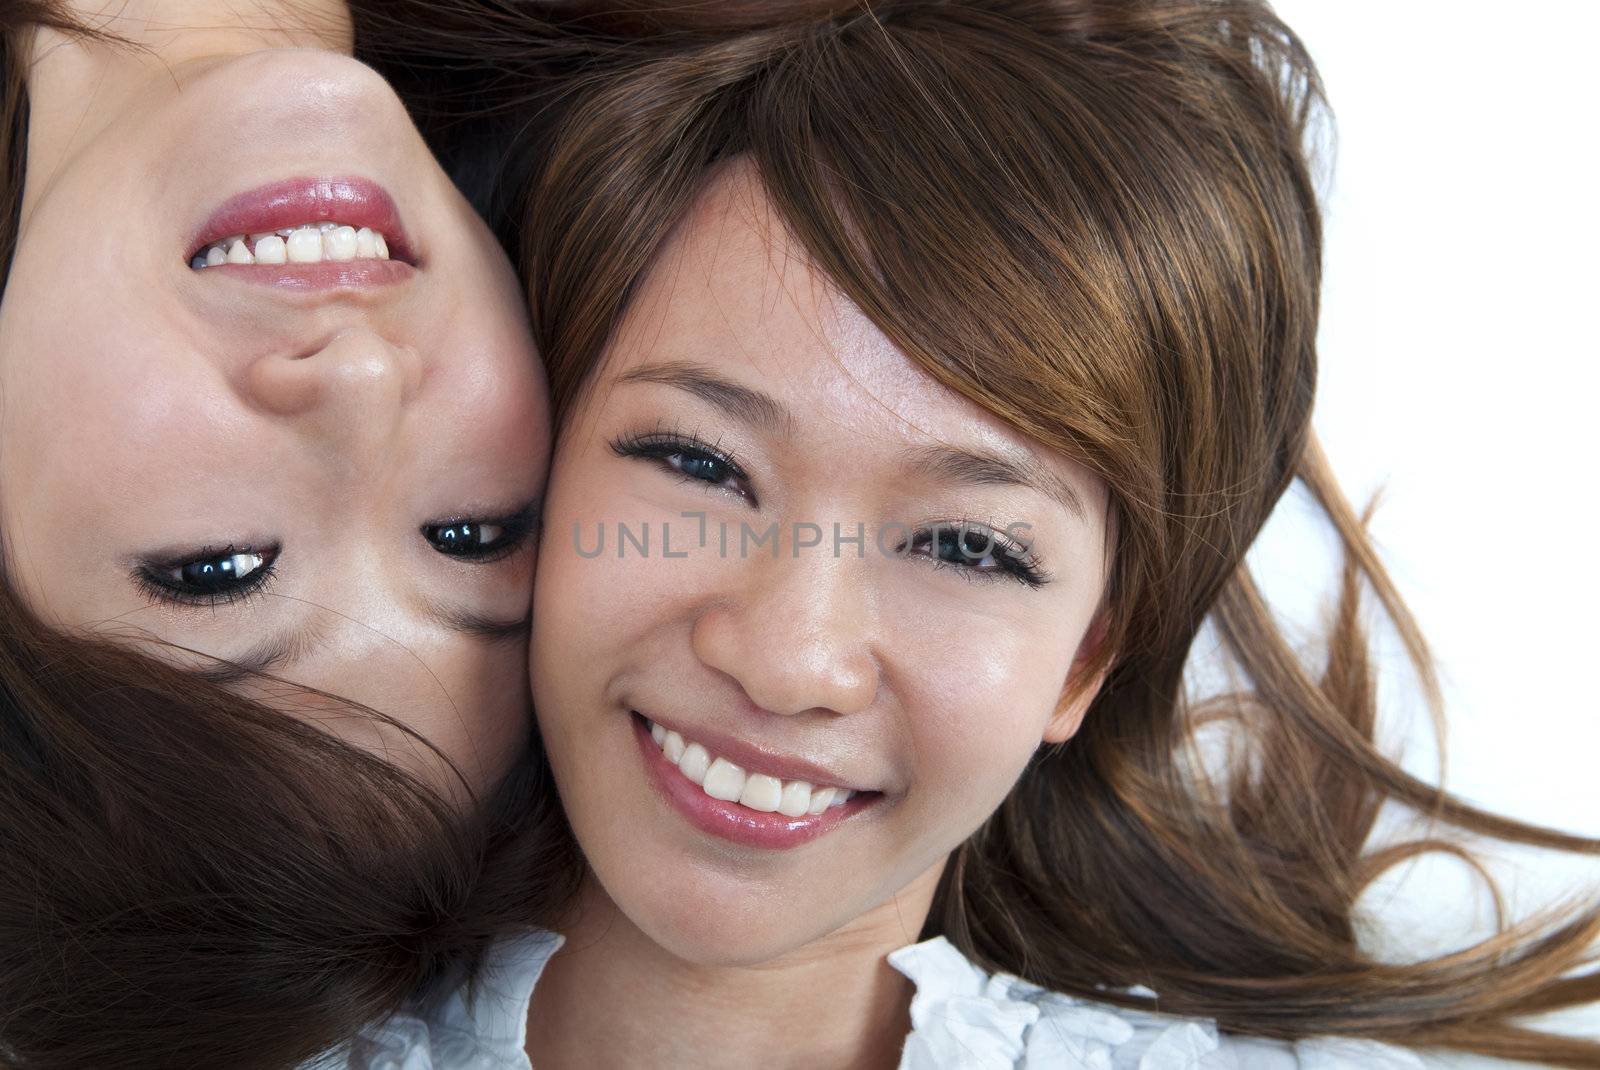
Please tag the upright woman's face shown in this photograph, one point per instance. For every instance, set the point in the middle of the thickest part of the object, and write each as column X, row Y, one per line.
column 321, row 456
column 764, row 726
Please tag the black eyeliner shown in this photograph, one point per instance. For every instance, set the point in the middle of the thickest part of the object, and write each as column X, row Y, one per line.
column 663, row 444
column 1015, row 562
column 148, row 576
column 518, row 526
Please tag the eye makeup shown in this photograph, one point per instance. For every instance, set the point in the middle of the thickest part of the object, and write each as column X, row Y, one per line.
column 690, row 457
column 209, row 576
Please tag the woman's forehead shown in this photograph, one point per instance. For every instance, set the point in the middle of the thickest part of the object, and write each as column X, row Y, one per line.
column 734, row 290
column 735, row 304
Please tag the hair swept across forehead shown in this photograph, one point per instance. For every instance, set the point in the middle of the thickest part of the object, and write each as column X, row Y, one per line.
column 1060, row 211
column 1098, row 220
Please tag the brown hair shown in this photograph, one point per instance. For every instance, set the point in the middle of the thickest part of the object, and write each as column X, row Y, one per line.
column 193, row 879
column 1097, row 220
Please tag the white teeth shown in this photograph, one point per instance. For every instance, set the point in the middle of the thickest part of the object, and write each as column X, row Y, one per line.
column 339, row 244
column 828, row 798
column 761, row 792
column 672, row 746
column 272, row 250
column 694, row 763
column 722, row 779
column 307, row 244
column 796, row 799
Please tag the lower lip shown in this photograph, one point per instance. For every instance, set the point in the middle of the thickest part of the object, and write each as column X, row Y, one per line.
column 323, row 275
column 729, row 820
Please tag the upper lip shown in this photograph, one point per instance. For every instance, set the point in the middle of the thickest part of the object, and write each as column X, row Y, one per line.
column 753, row 758
column 351, row 200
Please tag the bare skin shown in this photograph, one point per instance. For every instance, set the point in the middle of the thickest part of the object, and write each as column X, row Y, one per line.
column 743, row 388
column 160, row 421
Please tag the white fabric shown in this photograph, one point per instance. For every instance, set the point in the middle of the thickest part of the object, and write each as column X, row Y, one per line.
column 486, row 1032
column 961, row 1017
column 964, row 1017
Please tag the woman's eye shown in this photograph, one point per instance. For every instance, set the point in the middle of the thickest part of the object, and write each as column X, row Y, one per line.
column 976, row 549
column 481, row 540
column 209, row 577
column 465, row 539
column 689, row 457
column 707, row 469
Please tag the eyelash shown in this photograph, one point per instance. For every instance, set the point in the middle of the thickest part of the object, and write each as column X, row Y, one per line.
column 153, row 580
column 661, row 446
column 150, row 579
column 1015, row 562
column 518, row 527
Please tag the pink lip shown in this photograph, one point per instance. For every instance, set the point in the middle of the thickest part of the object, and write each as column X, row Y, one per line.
column 356, row 202
column 729, row 820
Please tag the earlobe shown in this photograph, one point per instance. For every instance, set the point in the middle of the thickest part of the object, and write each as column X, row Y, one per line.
column 1069, row 714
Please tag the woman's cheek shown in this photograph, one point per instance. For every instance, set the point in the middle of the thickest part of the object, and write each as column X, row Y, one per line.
column 978, row 715
column 981, row 753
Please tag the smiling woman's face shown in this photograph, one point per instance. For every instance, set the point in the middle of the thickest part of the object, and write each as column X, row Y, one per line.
column 329, row 470
column 918, row 670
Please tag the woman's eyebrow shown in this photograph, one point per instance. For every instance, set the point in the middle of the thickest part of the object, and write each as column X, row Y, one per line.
column 743, row 403
column 276, row 652
column 287, row 647
column 977, row 467
column 479, row 626
column 983, row 467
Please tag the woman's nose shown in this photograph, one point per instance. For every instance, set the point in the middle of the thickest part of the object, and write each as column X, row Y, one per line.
column 796, row 634
column 355, row 384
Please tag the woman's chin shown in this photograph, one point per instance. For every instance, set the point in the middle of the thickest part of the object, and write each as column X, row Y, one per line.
column 703, row 928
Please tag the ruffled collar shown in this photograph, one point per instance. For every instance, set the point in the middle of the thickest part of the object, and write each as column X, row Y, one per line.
column 962, row 1016
column 484, row 1027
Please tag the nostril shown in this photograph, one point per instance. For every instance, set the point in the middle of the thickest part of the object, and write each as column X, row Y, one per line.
column 354, row 375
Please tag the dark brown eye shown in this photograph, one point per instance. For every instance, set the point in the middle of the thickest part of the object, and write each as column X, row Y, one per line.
column 466, row 538
column 478, row 539
column 208, row 577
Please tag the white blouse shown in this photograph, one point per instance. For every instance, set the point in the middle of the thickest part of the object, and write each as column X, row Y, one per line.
column 961, row 1017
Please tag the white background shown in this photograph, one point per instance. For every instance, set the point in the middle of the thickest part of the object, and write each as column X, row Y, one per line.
column 1458, row 368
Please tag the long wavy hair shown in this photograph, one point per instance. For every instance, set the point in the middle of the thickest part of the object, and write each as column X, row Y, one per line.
column 1097, row 220
column 192, row 879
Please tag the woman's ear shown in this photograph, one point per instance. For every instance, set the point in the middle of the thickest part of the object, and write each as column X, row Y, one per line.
column 1079, row 694
column 1064, row 723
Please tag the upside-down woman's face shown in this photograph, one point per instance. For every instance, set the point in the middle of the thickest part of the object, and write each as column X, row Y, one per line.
column 267, row 392
column 762, row 730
